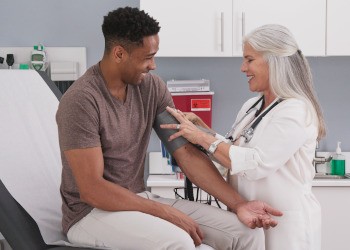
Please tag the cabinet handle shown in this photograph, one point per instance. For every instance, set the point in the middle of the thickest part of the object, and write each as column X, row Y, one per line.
column 243, row 25
column 222, row 31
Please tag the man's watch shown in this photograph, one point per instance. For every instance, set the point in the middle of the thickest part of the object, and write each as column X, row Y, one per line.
column 212, row 148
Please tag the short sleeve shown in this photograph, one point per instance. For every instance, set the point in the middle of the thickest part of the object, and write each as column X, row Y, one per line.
column 77, row 121
column 164, row 97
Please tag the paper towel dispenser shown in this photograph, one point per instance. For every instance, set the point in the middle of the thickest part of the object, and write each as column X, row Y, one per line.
column 64, row 71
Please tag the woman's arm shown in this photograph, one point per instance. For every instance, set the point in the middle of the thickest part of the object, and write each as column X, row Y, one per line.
column 290, row 125
column 193, row 134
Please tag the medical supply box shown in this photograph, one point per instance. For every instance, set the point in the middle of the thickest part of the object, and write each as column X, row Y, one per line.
column 199, row 103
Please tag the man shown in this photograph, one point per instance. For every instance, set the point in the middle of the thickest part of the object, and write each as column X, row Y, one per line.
column 104, row 121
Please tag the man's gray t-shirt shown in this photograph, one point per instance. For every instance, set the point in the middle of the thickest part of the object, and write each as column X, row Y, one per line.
column 89, row 116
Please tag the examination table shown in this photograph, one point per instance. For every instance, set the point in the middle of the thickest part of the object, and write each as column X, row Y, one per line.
column 30, row 163
column 30, row 209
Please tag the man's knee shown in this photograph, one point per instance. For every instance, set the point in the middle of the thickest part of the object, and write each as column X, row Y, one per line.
column 252, row 239
column 180, row 240
column 227, row 232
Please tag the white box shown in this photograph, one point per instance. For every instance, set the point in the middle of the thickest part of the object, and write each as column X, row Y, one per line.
column 158, row 164
column 188, row 85
column 64, row 71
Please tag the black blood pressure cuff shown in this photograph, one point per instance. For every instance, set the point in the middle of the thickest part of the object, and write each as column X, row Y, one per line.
column 164, row 134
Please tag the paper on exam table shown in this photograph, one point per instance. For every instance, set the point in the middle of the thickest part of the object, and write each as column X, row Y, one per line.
column 30, row 163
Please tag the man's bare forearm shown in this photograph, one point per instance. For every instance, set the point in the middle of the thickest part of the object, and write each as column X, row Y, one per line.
column 202, row 172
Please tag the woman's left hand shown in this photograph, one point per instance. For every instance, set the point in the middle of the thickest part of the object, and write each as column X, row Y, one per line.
column 186, row 128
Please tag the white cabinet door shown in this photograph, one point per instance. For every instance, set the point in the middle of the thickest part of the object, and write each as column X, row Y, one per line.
column 335, row 207
column 306, row 19
column 192, row 28
column 338, row 22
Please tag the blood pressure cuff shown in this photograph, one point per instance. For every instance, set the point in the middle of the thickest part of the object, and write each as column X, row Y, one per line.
column 164, row 134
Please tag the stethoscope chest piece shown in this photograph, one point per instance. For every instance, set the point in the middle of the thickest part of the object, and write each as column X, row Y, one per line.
column 247, row 134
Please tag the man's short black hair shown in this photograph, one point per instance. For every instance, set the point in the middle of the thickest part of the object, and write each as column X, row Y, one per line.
column 127, row 27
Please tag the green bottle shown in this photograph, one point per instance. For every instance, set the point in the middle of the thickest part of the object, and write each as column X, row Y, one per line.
column 338, row 162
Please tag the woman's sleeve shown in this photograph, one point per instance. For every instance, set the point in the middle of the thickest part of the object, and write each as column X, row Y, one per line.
column 287, row 130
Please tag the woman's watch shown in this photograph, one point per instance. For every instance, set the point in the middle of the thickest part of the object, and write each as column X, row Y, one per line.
column 212, row 148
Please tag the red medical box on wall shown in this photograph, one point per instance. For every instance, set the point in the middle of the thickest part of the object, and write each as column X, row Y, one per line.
column 199, row 103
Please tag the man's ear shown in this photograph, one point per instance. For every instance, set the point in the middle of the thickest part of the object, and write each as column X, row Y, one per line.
column 118, row 53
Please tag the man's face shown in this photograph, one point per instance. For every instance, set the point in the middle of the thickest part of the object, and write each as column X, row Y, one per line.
column 140, row 61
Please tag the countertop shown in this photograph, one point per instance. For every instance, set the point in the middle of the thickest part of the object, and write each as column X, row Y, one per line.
column 171, row 181
column 331, row 183
column 155, row 180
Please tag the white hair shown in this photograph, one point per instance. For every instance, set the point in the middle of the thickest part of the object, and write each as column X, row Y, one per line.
column 289, row 71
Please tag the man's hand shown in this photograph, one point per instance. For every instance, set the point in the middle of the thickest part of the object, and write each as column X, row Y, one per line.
column 186, row 223
column 257, row 214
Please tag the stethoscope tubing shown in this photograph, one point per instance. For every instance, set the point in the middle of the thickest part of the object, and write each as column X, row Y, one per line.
column 249, row 132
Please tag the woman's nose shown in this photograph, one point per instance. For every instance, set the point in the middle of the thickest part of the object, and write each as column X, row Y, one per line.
column 243, row 67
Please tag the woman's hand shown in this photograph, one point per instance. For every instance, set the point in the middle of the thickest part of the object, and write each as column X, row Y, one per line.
column 196, row 120
column 186, row 128
column 192, row 117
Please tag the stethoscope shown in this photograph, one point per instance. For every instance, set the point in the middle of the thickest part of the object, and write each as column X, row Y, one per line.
column 248, row 133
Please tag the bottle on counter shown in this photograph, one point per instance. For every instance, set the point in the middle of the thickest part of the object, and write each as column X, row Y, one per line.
column 338, row 162
column 1, row 63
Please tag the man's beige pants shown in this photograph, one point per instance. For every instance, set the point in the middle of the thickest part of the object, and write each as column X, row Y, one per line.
column 138, row 231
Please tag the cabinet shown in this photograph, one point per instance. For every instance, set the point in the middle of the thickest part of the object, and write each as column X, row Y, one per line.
column 305, row 19
column 203, row 28
column 338, row 20
column 335, row 203
column 194, row 28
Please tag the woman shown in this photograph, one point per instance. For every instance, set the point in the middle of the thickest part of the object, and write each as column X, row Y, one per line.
column 270, row 148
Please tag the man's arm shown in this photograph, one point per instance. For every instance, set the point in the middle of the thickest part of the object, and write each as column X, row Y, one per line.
column 202, row 172
column 87, row 167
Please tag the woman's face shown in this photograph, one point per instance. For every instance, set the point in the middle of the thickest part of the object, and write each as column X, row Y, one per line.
column 256, row 69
